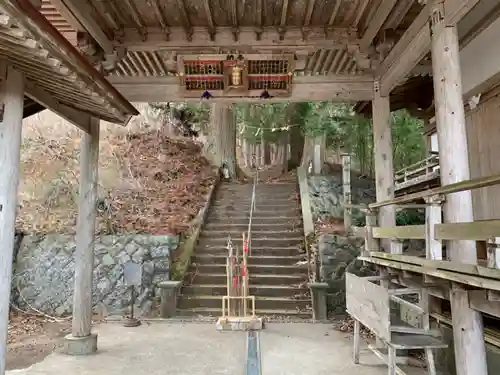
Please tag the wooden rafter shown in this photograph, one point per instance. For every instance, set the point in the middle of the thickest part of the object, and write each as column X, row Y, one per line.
column 335, row 11
column 185, row 19
column 210, row 19
column 234, row 19
column 269, row 39
column 160, row 16
column 309, row 11
column 400, row 11
column 376, row 22
column 361, row 11
column 137, row 18
column 82, row 14
column 406, row 53
column 282, row 26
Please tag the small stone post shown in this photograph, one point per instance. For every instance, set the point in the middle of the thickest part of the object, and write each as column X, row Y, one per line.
column 169, row 293
column 319, row 306
column 346, row 190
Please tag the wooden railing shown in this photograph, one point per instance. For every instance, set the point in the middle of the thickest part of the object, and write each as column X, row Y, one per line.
column 423, row 171
column 434, row 232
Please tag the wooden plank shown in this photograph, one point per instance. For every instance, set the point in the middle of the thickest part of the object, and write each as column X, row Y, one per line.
column 376, row 22
column 401, row 232
column 410, row 57
column 466, row 279
column 455, row 10
column 85, row 231
column 478, row 300
column 333, row 87
column 223, row 37
column 470, row 269
column 476, row 183
column 12, row 97
column 476, row 230
column 393, row 59
column 412, row 341
column 368, row 303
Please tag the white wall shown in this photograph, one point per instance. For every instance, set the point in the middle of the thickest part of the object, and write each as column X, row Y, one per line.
column 480, row 61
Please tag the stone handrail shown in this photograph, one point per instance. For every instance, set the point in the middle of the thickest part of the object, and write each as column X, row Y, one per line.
column 307, row 220
column 193, row 233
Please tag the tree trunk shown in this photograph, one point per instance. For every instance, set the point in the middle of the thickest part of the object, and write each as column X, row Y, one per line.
column 297, row 141
column 307, row 153
column 224, row 136
column 283, row 146
column 266, row 146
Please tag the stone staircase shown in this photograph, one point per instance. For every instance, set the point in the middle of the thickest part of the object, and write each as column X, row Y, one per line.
column 277, row 267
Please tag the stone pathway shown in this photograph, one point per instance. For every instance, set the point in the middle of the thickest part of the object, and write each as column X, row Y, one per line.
column 198, row 349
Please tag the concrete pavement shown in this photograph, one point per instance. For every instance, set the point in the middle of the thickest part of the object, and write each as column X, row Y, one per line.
column 198, row 349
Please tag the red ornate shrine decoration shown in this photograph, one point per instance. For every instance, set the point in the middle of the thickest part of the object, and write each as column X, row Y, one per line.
column 235, row 75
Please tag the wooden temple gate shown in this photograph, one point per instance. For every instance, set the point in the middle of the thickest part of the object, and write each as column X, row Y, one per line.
column 254, row 51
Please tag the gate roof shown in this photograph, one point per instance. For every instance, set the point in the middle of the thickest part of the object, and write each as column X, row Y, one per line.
column 57, row 75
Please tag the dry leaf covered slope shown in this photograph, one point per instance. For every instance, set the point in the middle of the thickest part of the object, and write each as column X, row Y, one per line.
column 148, row 183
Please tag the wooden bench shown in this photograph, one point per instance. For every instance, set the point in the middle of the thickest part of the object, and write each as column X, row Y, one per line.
column 370, row 304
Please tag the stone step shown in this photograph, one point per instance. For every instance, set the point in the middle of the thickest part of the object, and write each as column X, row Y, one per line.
column 256, row 260
column 283, row 241
column 289, row 212
column 255, row 290
column 242, row 219
column 255, row 279
column 258, row 227
column 260, row 269
column 269, row 205
column 273, row 313
column 265, row 303
column 237, row 235
column 277, row 199
column 271, row 188
column 255, row 250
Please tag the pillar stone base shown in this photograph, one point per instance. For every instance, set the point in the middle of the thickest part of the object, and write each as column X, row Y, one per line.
column 169, row 293
column 318, row 293
column 80, row 345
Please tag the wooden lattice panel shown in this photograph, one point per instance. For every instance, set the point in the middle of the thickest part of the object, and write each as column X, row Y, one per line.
column 235, row 76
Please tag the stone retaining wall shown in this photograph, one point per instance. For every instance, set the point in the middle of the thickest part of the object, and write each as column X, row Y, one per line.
column 44, row 272
column 338, row 253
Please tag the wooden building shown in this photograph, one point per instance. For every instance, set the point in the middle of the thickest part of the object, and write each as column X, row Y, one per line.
column 387, row 52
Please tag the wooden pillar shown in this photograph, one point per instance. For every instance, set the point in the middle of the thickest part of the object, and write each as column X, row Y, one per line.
column 384, row 170
column 468, row 330
column 451, row 131
column 468, row 339
column 12, row 99
column 82, row 340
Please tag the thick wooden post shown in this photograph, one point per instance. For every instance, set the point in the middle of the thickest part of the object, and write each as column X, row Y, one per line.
column 384, row 170
column 12, row 98
column 468, row 337
column 82, row 340
column 468, row 330
column 451, row 131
